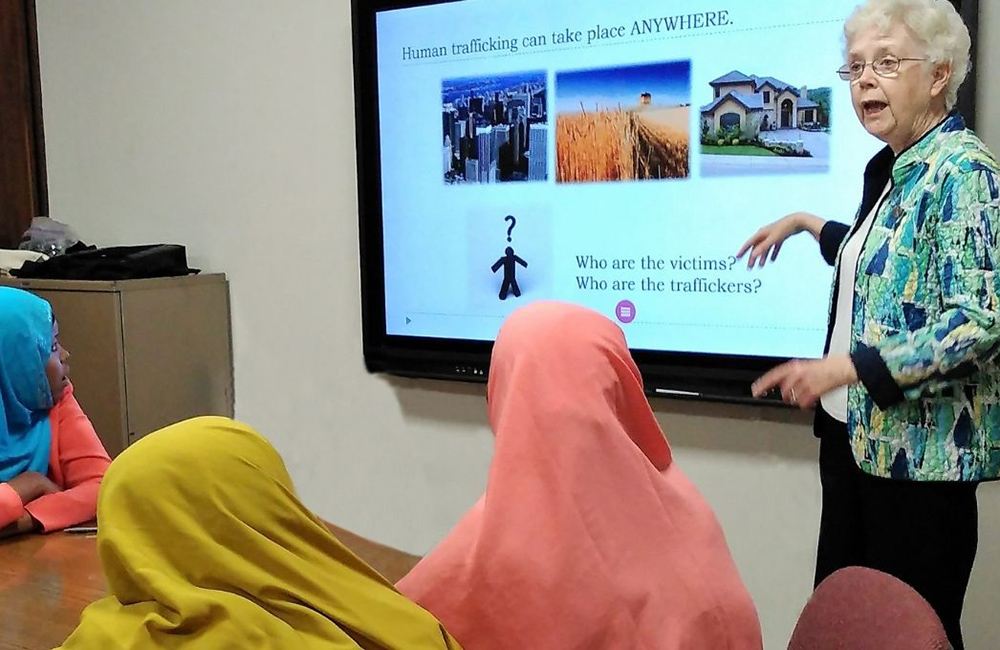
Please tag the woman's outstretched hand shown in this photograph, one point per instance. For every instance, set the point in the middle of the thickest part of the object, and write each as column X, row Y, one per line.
column 767, row 241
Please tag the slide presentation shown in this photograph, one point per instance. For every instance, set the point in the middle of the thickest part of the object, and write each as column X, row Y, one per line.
column 615, row 155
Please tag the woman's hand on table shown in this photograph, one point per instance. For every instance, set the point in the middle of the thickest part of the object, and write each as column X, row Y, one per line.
column 32, row 485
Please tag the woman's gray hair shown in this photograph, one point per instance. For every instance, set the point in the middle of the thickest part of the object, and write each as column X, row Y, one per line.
column 936, row 25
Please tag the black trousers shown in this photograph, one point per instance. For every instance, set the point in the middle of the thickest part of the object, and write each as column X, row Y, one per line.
column 924, row 533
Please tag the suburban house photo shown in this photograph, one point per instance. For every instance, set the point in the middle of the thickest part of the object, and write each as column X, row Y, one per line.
column 767, row 103
column 752, row 118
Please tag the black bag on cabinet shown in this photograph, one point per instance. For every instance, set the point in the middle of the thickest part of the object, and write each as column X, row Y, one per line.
column 116, row 263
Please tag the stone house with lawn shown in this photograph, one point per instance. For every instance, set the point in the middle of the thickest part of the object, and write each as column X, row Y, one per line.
column 753, row 104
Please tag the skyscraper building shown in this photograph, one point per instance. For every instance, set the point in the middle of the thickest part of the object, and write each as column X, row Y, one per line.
column 484, row 139
column 457, row 130
column 501, row 133
column 448, row 154
column 538, row 152
column 471, row 170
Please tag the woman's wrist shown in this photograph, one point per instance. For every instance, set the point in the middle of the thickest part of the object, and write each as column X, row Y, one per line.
column 24, row 525
column 812, row 224
column 849, row 374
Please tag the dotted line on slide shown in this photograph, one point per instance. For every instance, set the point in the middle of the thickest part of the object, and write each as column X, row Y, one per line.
column 690, row 34
column 430, row 313
column 741, row 327
column 646, row 322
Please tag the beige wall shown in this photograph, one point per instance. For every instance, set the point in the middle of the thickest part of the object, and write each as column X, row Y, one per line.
column 229, row 126
column 728, row 106
column 795, row 110
column 988, row 86
column 768, row 106
column 743, row 89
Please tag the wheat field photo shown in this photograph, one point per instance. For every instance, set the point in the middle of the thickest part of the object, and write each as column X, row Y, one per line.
column 629, row 123
column 622, row 145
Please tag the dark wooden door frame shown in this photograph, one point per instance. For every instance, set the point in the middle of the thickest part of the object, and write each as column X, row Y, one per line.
column 35, row 80
column 23, row 185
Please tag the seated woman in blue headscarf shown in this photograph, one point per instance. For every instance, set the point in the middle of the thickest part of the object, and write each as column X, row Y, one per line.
column 51, row 460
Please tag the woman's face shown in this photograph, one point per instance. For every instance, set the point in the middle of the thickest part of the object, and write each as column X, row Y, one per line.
column 900, row 108
column 56, row 369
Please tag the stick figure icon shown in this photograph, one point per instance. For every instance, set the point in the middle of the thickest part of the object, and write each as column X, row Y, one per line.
column 509, row 263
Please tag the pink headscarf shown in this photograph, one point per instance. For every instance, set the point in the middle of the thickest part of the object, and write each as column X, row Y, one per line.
column 588, row 536
column 865, row 609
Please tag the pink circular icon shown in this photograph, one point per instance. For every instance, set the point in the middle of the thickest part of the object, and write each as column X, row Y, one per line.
column 625, row 311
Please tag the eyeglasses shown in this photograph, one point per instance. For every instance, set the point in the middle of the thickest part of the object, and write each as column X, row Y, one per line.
column 887, row 66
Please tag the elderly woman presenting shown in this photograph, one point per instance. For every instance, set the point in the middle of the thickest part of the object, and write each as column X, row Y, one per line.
column 908, row 392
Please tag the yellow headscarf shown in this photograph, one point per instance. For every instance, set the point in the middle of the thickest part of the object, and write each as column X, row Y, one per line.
column 206, row 547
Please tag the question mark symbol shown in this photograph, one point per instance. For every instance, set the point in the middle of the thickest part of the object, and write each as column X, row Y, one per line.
column 757, row 284
column 513, row 222
column 732, row 260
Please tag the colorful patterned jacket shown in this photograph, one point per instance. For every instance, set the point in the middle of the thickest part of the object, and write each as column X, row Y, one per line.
column 925, row 329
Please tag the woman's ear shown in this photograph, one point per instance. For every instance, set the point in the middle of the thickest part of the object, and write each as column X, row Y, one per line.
column 942, row 77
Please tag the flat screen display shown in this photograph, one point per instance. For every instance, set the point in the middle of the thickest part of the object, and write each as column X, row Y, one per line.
column 610, row 154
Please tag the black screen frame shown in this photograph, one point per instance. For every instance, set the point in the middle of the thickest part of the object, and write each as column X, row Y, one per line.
column 708, row 377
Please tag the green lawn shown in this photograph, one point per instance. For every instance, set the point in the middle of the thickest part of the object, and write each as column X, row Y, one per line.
column 736, row 150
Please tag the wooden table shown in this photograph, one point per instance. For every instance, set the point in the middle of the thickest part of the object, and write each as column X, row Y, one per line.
column 46, row 581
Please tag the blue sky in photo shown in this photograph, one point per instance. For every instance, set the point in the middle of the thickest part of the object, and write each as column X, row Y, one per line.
column 607, row 88
column 453, row 89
